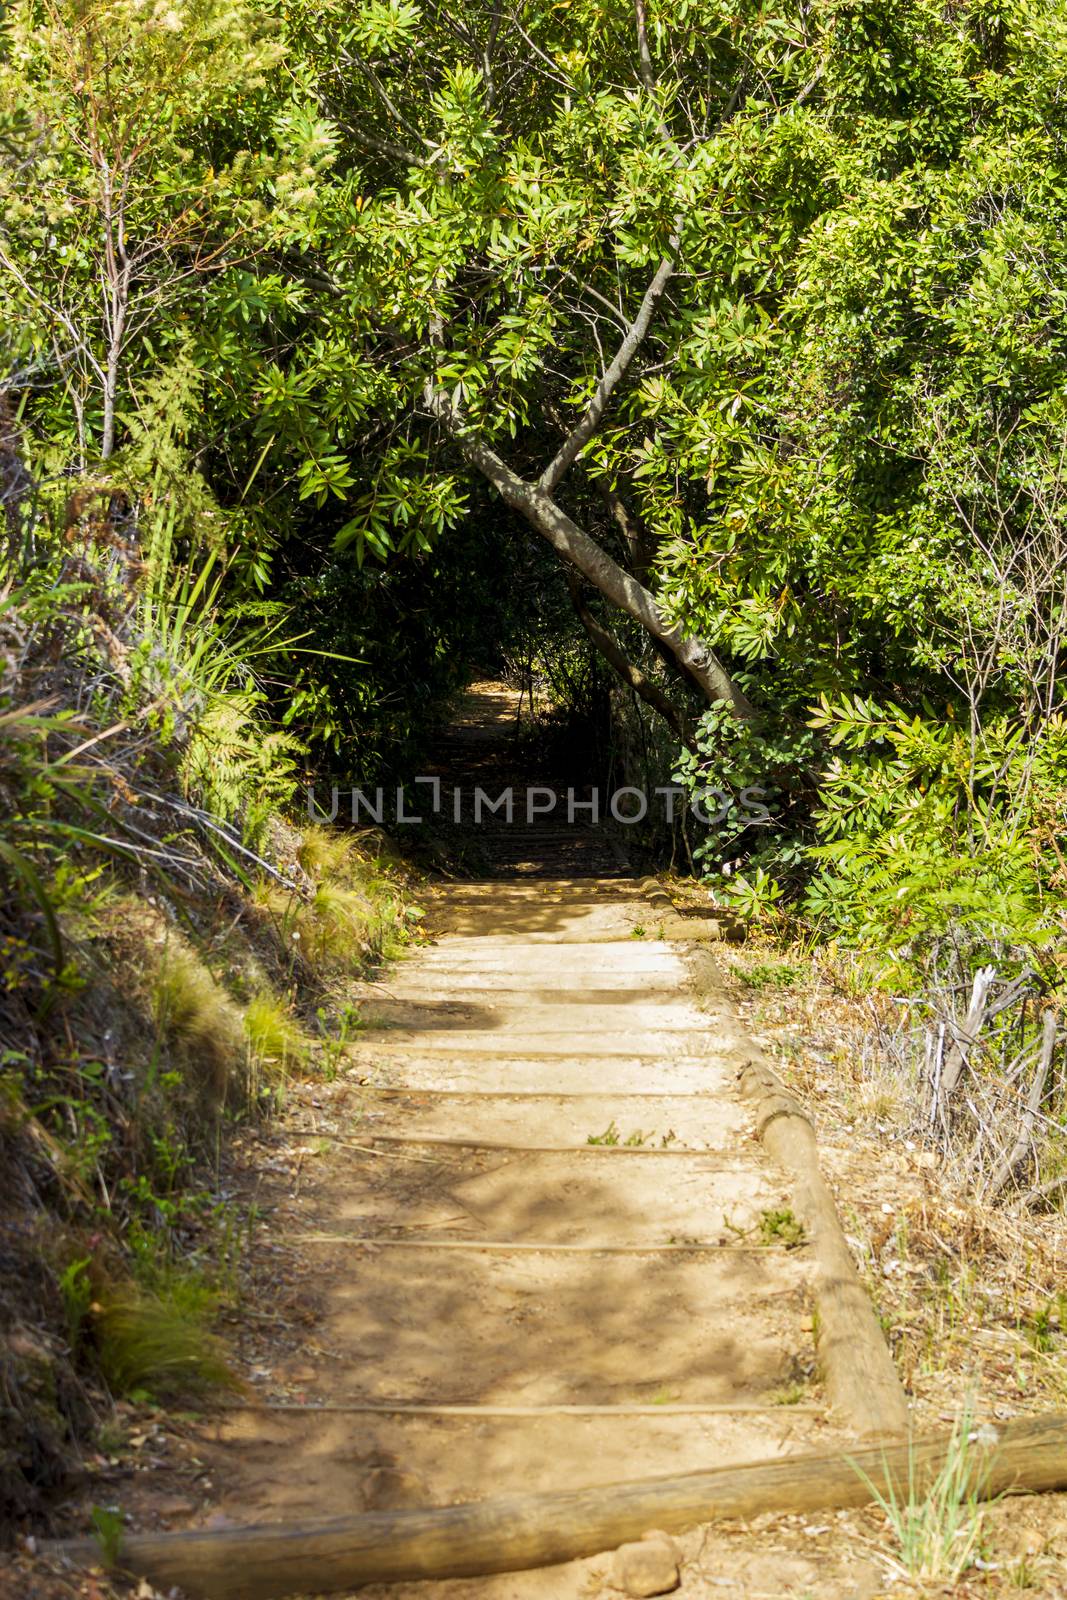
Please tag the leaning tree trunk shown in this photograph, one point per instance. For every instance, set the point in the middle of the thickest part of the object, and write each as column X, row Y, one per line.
column 608, row 647
column 537, row 507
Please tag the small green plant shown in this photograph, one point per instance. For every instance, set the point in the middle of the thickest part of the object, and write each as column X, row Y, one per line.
column 937, row 1532
column 633, row 1141
column 107, row 1526
column 637, row 931
column 664, row 1397
column 771, row 975
column 76, row 1292
column 781, row 1227
column 1024, row 1574
column 755, row 898
column 1044, row 1328
column 111, row 1436
column 336, row 1033
column 324, row 852
column 791, row 1394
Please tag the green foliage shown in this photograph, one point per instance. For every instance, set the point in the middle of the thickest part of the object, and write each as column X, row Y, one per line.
column 841, row 436
column 162, row 1346
column 354, row 912
column 925, row 826
column 110, row 184
column 755, row 898
column 771, row 975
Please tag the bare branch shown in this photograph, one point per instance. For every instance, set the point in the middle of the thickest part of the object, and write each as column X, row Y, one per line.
column 1023, row 1139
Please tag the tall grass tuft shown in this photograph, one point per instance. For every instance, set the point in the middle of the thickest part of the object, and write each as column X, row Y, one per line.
column 156, row 1344
column 275, row 1040
column 198, row 1019
column 937, row 1532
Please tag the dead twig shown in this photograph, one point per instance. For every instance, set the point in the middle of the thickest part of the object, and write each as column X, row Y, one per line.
column 1024, row 1138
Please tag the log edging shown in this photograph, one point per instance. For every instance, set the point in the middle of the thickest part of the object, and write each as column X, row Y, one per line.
column 269, row 1561
column 861, row 1379
column 678, row 925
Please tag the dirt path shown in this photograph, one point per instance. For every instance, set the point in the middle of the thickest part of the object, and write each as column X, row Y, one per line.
column 522, row 1309
column 481, row 749
column 539, row 1234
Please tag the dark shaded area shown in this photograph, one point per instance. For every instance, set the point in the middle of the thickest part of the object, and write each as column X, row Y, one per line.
column 550, row 774
column 43, row 1407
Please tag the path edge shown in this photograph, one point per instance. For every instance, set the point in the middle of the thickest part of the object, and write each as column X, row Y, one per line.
column 475, row 1539
column 862, row 1382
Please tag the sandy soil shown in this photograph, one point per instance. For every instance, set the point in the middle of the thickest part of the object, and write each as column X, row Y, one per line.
column 675, row 1334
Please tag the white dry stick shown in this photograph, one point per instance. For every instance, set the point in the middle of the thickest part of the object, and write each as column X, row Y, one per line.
column 935, row 1096
column 966, row 1035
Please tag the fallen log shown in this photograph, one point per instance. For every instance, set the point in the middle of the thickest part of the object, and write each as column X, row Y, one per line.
column 269, row 1561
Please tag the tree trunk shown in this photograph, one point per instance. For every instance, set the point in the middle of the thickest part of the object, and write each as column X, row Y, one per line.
column 624, row 592
column 632, row 676
column 639, row 545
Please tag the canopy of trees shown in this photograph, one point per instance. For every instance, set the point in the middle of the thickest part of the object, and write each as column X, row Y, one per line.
column 748, row 319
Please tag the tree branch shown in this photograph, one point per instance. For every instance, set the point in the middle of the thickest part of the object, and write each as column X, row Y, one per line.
column 536, row 506
column 644, row 54
column 639, row 546
column 631, row 341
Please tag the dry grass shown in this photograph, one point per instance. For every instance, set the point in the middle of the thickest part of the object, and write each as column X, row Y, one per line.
column 970, row 1293
column 200, row 1024
column 326, row 853
column 350, row 913
column 276, row 1042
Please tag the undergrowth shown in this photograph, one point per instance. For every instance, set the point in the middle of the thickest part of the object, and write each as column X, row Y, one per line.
column 968, row 1287
column 175, row 942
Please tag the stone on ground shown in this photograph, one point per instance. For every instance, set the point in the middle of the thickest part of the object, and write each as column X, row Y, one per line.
column 648, row 1566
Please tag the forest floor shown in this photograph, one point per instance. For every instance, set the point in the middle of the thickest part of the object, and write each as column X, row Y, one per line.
column 529, row 1183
